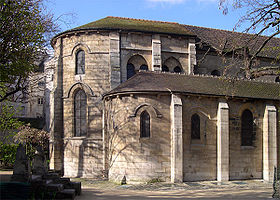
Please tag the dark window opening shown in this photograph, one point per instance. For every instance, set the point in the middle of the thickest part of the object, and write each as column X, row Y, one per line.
column 177, row 69
column 195, row 127
column 216, row 73
column 277, row 79
column 144, row 124
column 247, row 128
column 165, row 68
column 144, row 67
column 130, row 70
column 80, row 62
column 80, row 109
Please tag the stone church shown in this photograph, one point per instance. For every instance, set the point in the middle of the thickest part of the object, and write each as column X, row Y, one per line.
column 159, row 100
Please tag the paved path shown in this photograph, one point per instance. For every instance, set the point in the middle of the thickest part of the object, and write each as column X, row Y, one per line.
column 104, row 190
column 192, row 190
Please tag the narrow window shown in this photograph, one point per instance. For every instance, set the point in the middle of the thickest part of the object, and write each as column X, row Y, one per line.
column 195, row 127
column 144, row 124
column 80, row 107
column 215, row 73
column 144, row 67
column 247, row 128
column 130, row 70
column 177, row 69
column 80, row 62
column 165, row 68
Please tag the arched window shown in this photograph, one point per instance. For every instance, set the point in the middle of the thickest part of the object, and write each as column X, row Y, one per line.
column 144, row 67
column 144, row 124
column 215, row 73
column 165, row 68
column 130, row 70
column 177, row 69
column 80, row 62
column 195, row 127
column 80, row 113
column 247, row 128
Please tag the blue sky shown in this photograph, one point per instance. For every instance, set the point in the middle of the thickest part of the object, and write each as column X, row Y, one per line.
column 192, row 12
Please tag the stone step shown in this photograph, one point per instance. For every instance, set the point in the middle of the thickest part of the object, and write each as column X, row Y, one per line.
column 66, row 194
column 75, row 185
column 53, row 187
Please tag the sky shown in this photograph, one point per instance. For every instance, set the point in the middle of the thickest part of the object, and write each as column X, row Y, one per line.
column 204, row 13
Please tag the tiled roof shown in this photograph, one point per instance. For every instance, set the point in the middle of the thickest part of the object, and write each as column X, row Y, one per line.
column 129, row 24
column 179, row 83
column 227, row 40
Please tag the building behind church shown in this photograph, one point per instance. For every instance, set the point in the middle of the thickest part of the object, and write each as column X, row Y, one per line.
column 156, row 100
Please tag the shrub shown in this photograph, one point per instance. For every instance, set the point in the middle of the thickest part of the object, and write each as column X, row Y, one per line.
column 8, row 154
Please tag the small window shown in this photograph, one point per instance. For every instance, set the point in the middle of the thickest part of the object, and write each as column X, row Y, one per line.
column 130, row 70
column 41, row 83
column 247, row 128
column 177, row 69
column 40, row 101
column 80, row 62
column 165, row 68
column 277, row 79
column 195, row 127
column 144, row 67
column 144, row 125
column 216, row 73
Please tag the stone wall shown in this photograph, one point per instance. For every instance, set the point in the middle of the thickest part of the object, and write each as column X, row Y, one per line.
column 200, row 155
column 139, row 159
column 246, row 161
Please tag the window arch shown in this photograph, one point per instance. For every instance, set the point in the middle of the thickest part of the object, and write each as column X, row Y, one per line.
column 130, row 70
column 216, row 73
column 80, row 62
column 177, row 69
column 247, row 128
column 195, row 127
column 144, row 124
column 165, row 68
column 80, row 113
column 144, row 67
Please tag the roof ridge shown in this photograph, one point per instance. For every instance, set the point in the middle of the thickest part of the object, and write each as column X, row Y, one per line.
column 243, row 33
column 209, row 76
column 144, row 20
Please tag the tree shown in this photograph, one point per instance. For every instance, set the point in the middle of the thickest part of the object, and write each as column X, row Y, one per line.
column 26, row 29
column 263, row 17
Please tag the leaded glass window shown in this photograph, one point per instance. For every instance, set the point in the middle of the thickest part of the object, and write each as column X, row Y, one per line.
column 80, row 113
column 144, row 124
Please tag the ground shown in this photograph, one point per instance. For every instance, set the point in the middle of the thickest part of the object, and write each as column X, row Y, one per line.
column 101, row 190
column 105, row 190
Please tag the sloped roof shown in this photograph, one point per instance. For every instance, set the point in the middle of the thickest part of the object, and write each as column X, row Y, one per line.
column 218, row 39
column 145, row 82
column 129, row 24
column 227, row 40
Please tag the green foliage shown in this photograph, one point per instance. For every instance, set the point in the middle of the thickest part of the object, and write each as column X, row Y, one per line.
column 8, row 154
column 8, row 123
column 25, row 30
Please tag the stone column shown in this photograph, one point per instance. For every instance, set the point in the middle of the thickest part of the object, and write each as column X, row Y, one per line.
column 176, row 139
column 192, row 56
column 269, row 142
column 56, row 122
column 156, row 53
column 223, row 142
column 115, row 69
